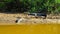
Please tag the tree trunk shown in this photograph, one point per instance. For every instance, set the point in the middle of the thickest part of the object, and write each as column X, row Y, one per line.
column 18, row 4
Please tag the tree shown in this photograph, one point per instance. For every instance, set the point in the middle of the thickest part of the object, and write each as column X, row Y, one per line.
column 49, row 6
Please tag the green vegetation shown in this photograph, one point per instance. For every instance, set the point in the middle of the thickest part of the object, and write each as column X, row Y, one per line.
column 52, row 6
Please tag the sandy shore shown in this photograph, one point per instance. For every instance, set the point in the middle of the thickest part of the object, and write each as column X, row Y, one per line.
column 11, row 18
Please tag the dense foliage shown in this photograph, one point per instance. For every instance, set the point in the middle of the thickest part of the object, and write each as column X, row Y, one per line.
column 44, row 6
